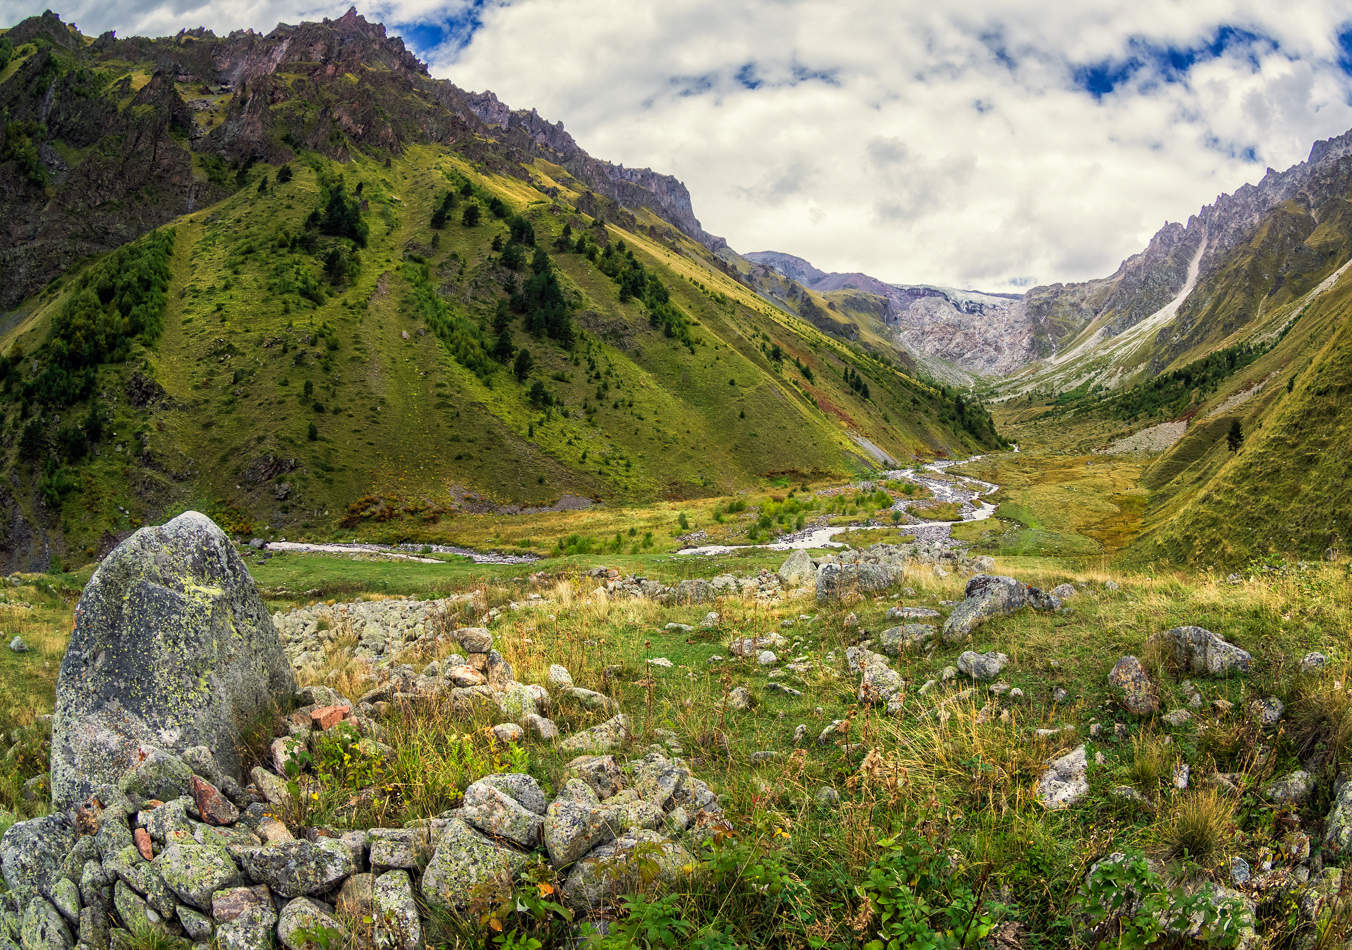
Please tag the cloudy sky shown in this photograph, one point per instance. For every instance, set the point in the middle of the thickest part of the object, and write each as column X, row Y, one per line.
column 990, row 143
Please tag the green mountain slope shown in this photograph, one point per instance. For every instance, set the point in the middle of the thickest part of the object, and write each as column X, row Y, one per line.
column 334, row 349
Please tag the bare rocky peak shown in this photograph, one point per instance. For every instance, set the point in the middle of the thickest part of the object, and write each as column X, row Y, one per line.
column 665, row 195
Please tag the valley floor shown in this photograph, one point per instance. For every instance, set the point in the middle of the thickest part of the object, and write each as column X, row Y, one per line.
column 855, row 827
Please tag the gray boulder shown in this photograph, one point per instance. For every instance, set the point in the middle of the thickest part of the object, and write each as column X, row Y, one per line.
column 621, row 867
column 842, row 581
column 32, row 854
column 1133, row 688
column 798, row 570
column 1203, row 653
column 299, row 868
column 1065, row 782
column 394, row 912
column 468, row 866
column 196, row 871
column 495, row 812
column 988, row 596
column 172, row 648
column 907, row 637
column 982, row 666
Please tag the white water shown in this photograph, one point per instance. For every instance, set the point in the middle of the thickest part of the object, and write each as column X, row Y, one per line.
column 400, row 552
column 960, row 489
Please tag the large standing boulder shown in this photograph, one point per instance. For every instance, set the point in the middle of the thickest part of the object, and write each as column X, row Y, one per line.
column 988, row 596
column 172, row 648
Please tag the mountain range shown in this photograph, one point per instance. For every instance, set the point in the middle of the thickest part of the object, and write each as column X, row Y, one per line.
column 295, row 282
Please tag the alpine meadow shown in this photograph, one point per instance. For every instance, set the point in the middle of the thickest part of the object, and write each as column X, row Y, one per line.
column 418, row 533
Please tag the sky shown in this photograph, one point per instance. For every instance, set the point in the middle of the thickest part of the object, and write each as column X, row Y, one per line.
column 989, row 144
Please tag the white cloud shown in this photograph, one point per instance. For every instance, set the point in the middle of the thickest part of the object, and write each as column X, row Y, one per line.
column 942, row 143
column 953, row 146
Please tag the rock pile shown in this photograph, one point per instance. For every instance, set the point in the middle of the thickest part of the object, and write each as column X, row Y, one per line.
column 156, row 830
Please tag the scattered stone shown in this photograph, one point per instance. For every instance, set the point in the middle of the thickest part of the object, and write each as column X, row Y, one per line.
column 912, row 613
column 1202, row 652
column 1064, row 591
column 1313, row 662
column 827, row 796
column 797, row 570
column 1239, row 871
column 766, row 658
column 1133, row 687
column 17, row 645
column 660, row 661
column 982, row 666
column 1059, row 695
column 171, row 639
column 907, row 637
column 739, row 698
column 1292, row 789
column 1065, row 782
column 1267, row 711
column 326, row 717
column 1178, row 717
column 559, row 678
column 509, row 732
column 989, row 596
column 143, row 844
column 1182, row 772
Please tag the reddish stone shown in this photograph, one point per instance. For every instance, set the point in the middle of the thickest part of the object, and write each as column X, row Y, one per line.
column 142, row 839
column 326, row 717
column 214, row 807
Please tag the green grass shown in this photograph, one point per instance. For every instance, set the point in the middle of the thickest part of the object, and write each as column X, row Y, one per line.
column 260, row 348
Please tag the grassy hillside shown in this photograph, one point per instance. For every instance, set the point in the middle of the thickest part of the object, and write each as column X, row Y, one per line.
column 1285, row 489
column 313, row 356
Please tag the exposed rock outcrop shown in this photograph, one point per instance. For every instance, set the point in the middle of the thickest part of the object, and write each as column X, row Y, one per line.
column 173, row 648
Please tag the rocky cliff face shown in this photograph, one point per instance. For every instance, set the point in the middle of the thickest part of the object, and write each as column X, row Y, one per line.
column 664, row 195
column 981, row 334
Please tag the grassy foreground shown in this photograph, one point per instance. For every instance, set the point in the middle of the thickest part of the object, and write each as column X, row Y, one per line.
column 863, row 829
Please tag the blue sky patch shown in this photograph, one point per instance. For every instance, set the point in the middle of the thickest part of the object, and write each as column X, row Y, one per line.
column 1153, row 62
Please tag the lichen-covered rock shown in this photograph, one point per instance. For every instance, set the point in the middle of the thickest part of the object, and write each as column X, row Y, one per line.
column 599, row 739
column 172, row 648
column 907, row 637
column 843, row 581
column 575, row 823
column 196, row 871
column 798, row 570
column 1065, row 781
column 988, row 596
column 43, row 928
column 306, row 925
column 1294, row 788
column 1133, row 687
column 624, row 866
column 395, row 912
column 404, row 848
column 1338, row 825
column 299, row 868
column 32, row 854
column 468, row 866
column 245, row 919
column 1203, row 653
column 982, row 666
